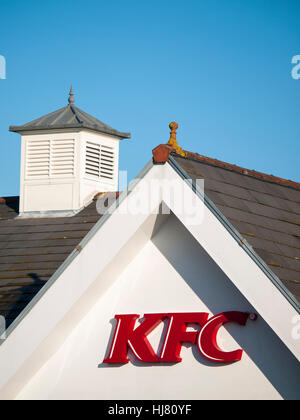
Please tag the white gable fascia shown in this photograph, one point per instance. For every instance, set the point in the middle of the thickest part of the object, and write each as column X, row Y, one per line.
column 73, row 289
column 254, row 284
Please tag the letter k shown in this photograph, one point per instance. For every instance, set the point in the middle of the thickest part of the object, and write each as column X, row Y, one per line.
column 126, row 336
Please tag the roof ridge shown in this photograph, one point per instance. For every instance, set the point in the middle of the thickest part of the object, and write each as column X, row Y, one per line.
column 4, row 200
column 64, row 110
column 93, row 120
column 162, row 153
column 242, row 170
column 73, row 109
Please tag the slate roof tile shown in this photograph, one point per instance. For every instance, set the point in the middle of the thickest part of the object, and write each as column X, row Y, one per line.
column 264, row 209
column 31, row 250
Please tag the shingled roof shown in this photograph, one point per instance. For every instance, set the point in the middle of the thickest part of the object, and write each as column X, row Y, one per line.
column 263, row 208
column 31, row 250
column 69, row 117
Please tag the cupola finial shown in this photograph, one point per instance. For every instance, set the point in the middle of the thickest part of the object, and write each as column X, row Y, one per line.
column 71, row 99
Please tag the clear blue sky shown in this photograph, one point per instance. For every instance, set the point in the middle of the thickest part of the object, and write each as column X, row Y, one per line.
column 221, row 68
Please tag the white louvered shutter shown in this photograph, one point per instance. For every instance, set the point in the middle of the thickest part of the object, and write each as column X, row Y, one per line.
column 62, row 158
column 38, row 159
column 100, row 161
column 50, row 158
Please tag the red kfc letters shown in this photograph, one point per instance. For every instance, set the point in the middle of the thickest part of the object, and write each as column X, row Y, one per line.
column 129, row 336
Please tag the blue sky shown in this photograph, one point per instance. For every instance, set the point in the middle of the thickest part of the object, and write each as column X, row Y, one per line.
column 221, row 69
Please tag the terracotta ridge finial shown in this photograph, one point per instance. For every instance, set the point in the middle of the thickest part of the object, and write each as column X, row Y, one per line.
column 162, row 152
column 173, row 141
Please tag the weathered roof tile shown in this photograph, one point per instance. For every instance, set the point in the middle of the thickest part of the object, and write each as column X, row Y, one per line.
column 31, row 250
column 263, row 208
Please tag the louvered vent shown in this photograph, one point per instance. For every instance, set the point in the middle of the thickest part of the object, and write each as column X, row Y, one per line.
column 62, row 158
column 50, row 158
column 99, row 161
column 38, row 159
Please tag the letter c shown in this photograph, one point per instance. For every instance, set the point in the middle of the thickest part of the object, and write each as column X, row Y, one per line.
column 207, row 338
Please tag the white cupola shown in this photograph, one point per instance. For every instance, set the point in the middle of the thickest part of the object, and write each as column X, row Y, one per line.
column 67, row 157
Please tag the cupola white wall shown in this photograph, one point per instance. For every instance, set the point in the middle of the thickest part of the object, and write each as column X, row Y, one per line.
column 62, row 171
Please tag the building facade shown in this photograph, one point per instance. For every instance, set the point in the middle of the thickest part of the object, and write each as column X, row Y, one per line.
column 186, row 286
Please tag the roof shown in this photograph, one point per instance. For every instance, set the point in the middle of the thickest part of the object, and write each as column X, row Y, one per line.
column 114, row 243
column 69, row 117
column 264, row 209
column 31, row 250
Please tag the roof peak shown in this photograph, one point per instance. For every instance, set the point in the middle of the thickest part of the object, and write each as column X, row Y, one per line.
column 69, row 117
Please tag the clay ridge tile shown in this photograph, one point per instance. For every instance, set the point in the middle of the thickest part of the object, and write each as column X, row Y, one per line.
column 241, row 170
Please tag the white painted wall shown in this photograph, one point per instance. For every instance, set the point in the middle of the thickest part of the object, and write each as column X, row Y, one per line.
column 171, row 273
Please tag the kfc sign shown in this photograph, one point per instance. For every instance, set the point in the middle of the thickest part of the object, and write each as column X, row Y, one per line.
column 126, row 336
